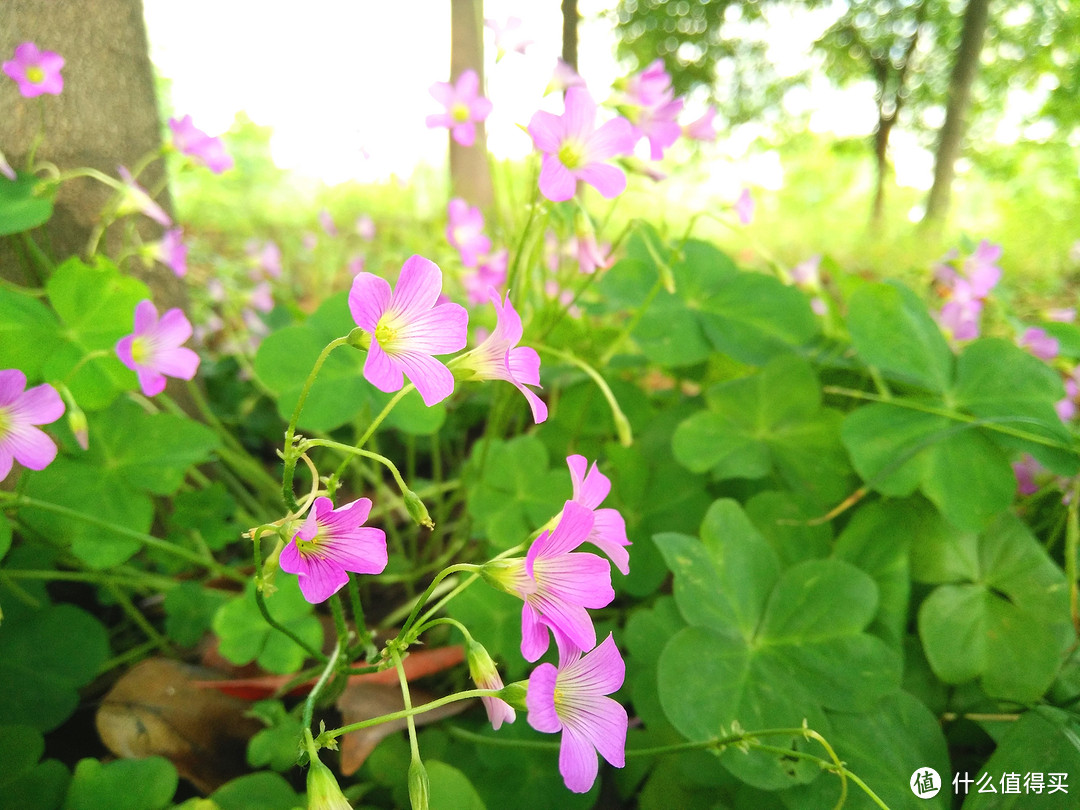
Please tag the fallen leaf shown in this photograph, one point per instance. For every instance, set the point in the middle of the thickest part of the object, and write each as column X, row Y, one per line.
column 156, row 709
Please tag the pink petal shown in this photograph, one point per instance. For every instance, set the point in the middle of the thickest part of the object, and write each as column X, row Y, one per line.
column 440, row 330
column 576, row 579
column 443, row 93
column 173, row 328
column 289, row 560
column 180, row 362
column 432, row 379
column 615, row 137
column 322, row 579
column 437, row 120
column 7, row 460
column 363, row 552
column 345, row 518
column 30, row 446
column 123, row 351
column 524, row 364
column 464, row 133
column 418, row 287
column 546, row 131
column 40, row 405
column 609, row 535
column 578, row 763
column 600, row 672
column 572, row 530
column 369, row 298
column 12, row 385
column 468, row 84
column 540, row 699
column 150, row 381
column 579, row 118
column 536, row 405
column 146, row 316
column 608, row 180
column 381, row 370
column 571, row 620
column 556, row 181
column 479, row 108
column 534, row 634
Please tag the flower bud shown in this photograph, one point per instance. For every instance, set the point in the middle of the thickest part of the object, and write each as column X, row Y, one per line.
column 359, row 338
column 486, row 676
column 78, row 425
column 323, row 790
column 499, row 574
column 419, row 786
column 416, row 509
column 514, row 694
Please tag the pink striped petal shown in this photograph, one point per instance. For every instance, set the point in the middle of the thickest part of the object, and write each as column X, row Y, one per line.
column 572, row 530
column 7, row 460
column 579, row 117
column 546, row 131
column 534, row 634
column 381, row 370
column 150, row 381
column 417, row 288
column 440, row 330
column 40, row 405
column 540, row 699
column 612, row 138
column 556, row 181
column 30, row 446
column 173, row 328
column 432, row 379
column 369, row 298
column 12, row 385
column 180, row 362
column 578, row 763
column 146, row 316
column 608, row 180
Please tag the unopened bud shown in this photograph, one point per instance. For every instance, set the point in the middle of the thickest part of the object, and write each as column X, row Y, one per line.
column 359, row 338
column 419, row 786
column 514, row 694
column 416, row 509
column 323, row 790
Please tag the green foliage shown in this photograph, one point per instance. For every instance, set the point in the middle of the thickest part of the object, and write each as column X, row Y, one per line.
column 245, row 636
column 127, row 784
column 25, row 203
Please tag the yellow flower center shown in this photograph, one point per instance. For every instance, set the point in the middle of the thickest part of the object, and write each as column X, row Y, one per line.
column 306, row 547
column 5, row 422
column 35, row 74
column 570, row 155
column 460, row 113
column 385, row 334
column 140, row 351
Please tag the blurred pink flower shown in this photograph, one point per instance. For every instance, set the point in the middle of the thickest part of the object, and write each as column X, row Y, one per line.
column 465, row 231
column 193, row 142
column 172, row 252
column 464, row 107
column 563, row 77
column 576, row 149
column 653, row 109
column 365, row 227
column 36, row 72
column 744, row 207
column 702, row 129
column 136, row 199
column 508, row 36
column 1039, row 343
column 327, row 222
column 490, row 273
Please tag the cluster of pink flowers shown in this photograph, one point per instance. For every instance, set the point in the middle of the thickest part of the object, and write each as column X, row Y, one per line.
column 408, row 327
column 965, row 286
column 558, row 584
column 465, row 231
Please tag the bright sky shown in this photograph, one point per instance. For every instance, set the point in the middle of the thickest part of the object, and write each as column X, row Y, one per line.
column 344, row 83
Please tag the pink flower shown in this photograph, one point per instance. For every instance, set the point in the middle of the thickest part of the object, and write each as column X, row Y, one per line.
column 193, row 142
column 590, row 255
column 1061, row 314
column 508, row 36
column 154, row 350
column 267, row 258
column 365, row 227
column 575, row 149
column 807, row 272
column 5, row 168
column 702, row 129
column 486, row 676
column 20, row 411
column 357, row 264
column 465, row 231
column 262, row 297
column 1066, row 407
column 464, row 107
column 563, row 77
column 981, row 268
column 137, row 200
column 572, row 698
column 556, row 585
column 491, row 272
column 36, row 72
column 1025, row 471
column 960, row 314
column 331, row 543
column 609, row 529
column 1039, row 343
column 500, row 358
column 653, row 110
column 326, row 220
column 172, row 252
column 407, row 328
column 744, row 207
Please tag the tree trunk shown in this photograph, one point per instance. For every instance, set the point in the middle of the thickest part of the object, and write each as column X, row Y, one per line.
column 106, row 116
column 470, row 172
column 951, row 138
column 570, row 33
column 881, row 162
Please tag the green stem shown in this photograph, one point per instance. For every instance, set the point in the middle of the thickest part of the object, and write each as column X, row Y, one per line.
column 622, row 424
column 407, row 700
column 260, row 600
column 357, row 451
column 378, row 420
column 342, row 629
column 291, row 453
column 404, row 635
column 328, row 670
column 639, row 313
column 145, row 539
column 990, row 423
column 134, row 580
column 141, row 621
column 503, row 742
column 412, row 712
column 363, row 640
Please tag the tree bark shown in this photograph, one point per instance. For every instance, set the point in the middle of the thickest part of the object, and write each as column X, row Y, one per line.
column 570, row 33
column 106, row 116
column 950, row 140
column 470, row 172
